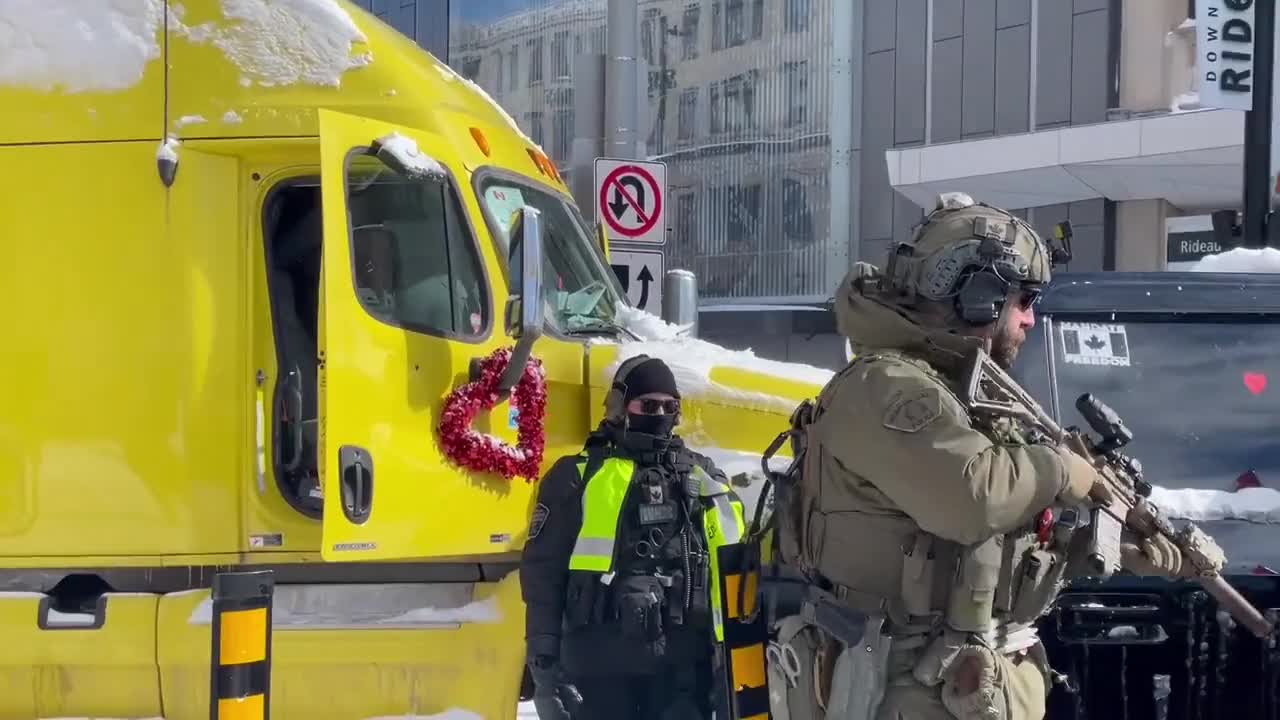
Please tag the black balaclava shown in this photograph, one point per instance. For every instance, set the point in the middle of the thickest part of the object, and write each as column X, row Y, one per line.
column 650, row 376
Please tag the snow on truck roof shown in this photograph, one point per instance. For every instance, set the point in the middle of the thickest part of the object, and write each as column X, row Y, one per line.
column 73, row 70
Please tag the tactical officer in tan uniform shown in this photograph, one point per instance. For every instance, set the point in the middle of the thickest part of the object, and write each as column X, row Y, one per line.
column 912, row 513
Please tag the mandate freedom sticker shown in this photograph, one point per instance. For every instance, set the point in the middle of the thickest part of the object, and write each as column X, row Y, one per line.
column 1094, row 344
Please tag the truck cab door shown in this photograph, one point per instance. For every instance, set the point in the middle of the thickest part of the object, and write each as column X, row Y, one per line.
column 406, row 303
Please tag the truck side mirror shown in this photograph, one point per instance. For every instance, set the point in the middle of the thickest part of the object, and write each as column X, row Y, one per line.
column 524, row 318
column 680, row 300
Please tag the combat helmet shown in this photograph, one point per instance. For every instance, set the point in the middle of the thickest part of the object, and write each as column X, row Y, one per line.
column 968, row 256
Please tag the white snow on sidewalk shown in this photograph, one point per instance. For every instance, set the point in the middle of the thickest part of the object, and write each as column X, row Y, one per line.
column 1241, row 259
column 1259, row 505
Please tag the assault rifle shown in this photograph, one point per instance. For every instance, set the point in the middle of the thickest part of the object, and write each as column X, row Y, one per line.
column 1120, row 500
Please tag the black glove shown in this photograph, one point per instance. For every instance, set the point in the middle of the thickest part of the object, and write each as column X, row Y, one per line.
column 554, row 697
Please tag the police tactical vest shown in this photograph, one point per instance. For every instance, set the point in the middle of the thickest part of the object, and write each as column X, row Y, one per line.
column 888, row 565
column 603, row 499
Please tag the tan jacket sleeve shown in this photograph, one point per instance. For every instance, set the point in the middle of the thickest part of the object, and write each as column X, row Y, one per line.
column 907, row 435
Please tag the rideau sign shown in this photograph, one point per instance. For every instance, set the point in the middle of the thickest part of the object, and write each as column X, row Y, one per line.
column 1224, row 49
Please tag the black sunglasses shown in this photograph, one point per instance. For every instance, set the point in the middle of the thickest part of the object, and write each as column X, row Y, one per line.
column 1028, row 298
column 650, row 406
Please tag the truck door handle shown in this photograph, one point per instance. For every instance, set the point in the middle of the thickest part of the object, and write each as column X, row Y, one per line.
column 356, row 465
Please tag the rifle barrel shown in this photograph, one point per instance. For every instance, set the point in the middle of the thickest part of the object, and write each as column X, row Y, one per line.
column 1235, row 603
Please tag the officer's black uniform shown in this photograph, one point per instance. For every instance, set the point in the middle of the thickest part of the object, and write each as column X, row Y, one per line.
column 639, row 646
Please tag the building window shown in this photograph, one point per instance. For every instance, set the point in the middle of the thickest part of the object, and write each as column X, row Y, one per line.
column 689, row 32
column 561, row 102
column 648, row 28
column 560, row 55
column 498, row 68
column 735, row 22
column 535, row 60
column 739, row 102
column 797, row 218
column 797, row 89
column 717, row 111
column 471, row 67
column 687, row 116
column 757, row 19
column 534, row 121
column 717, row 26
column 513, row 68
column 796, row 15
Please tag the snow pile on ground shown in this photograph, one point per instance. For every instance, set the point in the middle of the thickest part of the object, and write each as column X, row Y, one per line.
column 526, row 711
column 78, row 46
column 1242, row 260
column 692, row 360
column 479, row 611
column 1186, row 101
column 283, row 42
column 450, row 714
column 1259, row 505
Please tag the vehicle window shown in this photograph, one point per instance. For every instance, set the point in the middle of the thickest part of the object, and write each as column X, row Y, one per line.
column 1202, row 398
column 579, row 290
column 414, row 259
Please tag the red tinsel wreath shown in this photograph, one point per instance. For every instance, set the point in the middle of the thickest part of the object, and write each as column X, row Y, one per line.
column 486, row 453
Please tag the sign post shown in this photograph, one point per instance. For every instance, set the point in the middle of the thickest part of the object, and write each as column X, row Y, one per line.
column 1235, row 48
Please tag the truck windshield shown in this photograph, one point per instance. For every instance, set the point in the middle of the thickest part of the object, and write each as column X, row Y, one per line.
column 579, row 290
column 1201, row 397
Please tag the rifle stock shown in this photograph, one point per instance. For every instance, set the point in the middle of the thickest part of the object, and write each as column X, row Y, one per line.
column 988, row 390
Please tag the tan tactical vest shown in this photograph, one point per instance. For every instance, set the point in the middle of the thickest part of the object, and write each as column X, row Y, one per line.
column 883, row 562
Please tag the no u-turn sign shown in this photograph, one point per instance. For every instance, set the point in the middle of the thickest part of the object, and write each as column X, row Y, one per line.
column 631, row 200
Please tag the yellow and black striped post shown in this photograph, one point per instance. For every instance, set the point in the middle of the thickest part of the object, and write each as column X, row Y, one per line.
column 240, row 667
column 746, row 634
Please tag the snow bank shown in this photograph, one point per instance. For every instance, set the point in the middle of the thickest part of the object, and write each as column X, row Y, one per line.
column 480, row 611
column 78, row 46
column 1259, row 505
column 1186, row 102
column 526, row 711
column 406, row 151
column 282, row 42
column 1256, row 260
column 692, row 360
column 450, row 714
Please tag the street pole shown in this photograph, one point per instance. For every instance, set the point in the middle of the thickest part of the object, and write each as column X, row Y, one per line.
column 621, row 79
column 1257, row 128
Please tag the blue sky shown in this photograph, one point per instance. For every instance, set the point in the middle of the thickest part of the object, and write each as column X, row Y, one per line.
column 483, row 11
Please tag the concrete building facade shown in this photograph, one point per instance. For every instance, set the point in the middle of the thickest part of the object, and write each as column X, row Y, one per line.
column 802, row 135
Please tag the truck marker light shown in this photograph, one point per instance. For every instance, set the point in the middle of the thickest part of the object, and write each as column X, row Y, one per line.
column 482, row 142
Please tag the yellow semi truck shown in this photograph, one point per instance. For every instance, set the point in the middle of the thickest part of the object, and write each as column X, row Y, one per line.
column 249, row 249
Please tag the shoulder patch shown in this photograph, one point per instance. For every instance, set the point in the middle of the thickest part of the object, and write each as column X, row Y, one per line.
column 539, row 519
column 914, row 411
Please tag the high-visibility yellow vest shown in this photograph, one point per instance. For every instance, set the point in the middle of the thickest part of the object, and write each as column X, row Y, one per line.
column 602, row 498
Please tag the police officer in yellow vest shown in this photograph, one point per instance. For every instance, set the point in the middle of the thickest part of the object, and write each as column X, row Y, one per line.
column 928, row 522
column 619, row 575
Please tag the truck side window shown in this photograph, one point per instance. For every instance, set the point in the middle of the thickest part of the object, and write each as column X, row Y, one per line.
column 414, row 259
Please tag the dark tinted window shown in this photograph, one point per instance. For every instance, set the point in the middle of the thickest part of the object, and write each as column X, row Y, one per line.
column 416, row 264
column 1201, row 398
